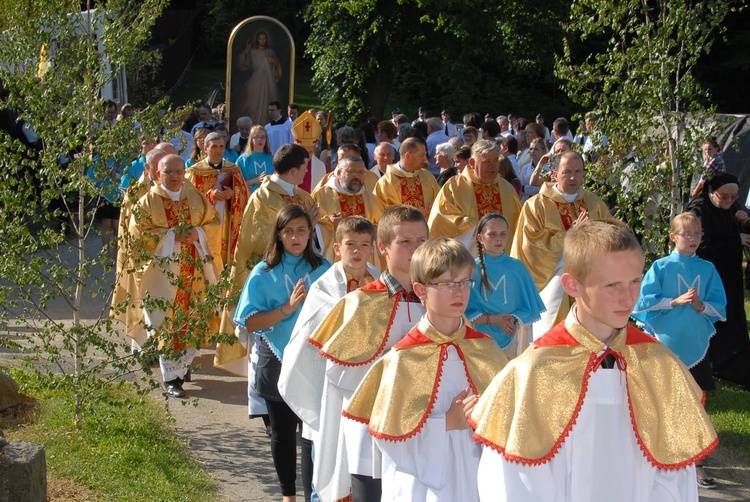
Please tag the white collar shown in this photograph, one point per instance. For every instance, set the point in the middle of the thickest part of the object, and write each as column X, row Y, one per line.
column 288, row 187
column 569, row 198
column 175, row 196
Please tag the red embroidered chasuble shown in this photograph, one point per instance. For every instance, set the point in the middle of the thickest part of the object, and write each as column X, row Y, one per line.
column 569, row 212
column 411, row 191
column 351, row 205
column 292, row 199
column 488, row 199
column 178, row 213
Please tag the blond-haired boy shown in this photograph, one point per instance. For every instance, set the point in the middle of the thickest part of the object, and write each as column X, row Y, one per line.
column 358, row 331
column 595, row 409
column 427, row 446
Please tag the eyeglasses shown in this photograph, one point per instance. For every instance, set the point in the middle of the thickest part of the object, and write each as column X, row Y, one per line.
column 453, row 285
column 690, row 235
column 726, row 196
column 174, row 173
column 290, row 232
column 258, row 138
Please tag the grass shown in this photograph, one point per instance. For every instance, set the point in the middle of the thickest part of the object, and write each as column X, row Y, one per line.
column 729, row 409
column 124, row 451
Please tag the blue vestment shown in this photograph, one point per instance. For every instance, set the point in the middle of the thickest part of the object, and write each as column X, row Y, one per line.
column 254, row 164
column 512, row 291
column 267, row 290
column 681, row 328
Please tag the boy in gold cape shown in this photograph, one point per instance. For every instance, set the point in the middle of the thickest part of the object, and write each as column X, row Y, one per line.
column 594, row 409
column 415, row 399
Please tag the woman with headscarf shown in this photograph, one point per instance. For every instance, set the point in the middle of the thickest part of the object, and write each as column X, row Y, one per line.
column 726, row 231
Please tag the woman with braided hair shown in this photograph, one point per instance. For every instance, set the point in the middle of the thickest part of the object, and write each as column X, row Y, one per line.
column 504, row 297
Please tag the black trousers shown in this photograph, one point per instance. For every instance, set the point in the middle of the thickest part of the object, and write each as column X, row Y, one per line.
column 366, row 489
column 284, row 426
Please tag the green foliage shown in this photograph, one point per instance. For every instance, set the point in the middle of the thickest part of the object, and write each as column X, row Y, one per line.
column 462, row 55
column 53, row 72
column 127, row 451
column 633, row 62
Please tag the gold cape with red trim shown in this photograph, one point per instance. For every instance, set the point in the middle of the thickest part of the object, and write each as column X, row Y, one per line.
column 398, row 393
column 346, row 336
column 530, row 407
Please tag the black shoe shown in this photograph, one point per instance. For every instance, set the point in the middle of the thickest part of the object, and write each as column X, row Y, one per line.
column 706, row 483
column 188, row 376
column 174, row 388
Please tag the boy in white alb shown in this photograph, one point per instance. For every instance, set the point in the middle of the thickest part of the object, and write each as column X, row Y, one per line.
column 363, row 326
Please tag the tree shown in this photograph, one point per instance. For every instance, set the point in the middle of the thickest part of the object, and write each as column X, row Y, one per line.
column 457, row 54
column 633, row 63
column 53, row 65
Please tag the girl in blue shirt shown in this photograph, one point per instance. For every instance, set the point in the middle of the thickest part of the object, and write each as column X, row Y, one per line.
column 269, row 305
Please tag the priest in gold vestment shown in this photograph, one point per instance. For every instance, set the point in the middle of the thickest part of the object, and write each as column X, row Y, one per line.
column 540, row 234
column 466, row 198
column 409, row 182
column 223, row 184
column 126, row 289
column 344, row 194
column 177, row 233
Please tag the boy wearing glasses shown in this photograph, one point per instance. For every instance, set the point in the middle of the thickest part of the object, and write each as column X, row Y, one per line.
column 417, row 397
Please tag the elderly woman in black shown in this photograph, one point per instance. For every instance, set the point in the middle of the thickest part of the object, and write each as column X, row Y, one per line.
column 726, row 231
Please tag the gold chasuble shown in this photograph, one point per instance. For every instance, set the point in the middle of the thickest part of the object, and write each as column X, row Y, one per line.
column 417, row 189
column 207, row 180
column 155, row 214
column 255, row 231
column 398, row 393
column 530, row 408
column 126, row 289
column 541, row 228
column 464, row 200
column 346, row 336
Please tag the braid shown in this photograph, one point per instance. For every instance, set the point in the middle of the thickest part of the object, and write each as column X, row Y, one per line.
column 485, row 282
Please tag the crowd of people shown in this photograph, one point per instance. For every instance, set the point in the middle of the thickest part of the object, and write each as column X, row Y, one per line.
column 443, row 310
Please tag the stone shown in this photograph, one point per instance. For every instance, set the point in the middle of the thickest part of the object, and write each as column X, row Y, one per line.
column 9, row 395
column 23, row 472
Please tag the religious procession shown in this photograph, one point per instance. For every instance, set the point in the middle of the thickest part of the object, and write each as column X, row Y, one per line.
column 425, row 310
column 446, row 313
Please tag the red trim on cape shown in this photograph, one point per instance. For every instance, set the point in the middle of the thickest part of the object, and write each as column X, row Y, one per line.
column 646, row 453
column 433, row 397
column 563, row 436
column 559, row 335
column 374, row 286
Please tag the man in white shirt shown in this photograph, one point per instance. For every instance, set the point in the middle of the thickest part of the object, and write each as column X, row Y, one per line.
column 279, row 129
column 449, row 127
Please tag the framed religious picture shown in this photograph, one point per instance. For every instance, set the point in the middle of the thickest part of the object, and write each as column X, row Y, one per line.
column 260, row 69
